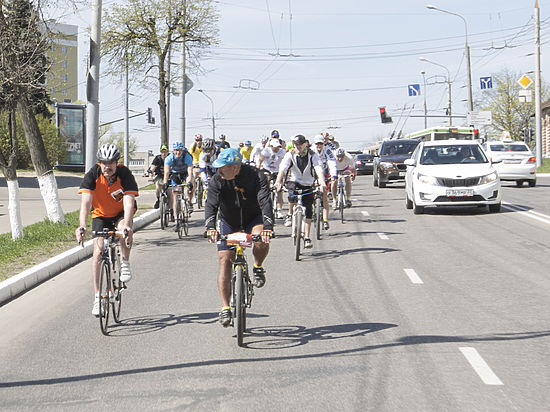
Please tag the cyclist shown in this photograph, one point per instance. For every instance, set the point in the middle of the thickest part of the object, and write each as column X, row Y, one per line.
column 207, row 157
column 303, row 167
column 238, row 198
column 344, row 163
column 246, row 151
column 257, row 150
column 178, row 167
column 157, row 168
column 110, row 190
column 222, row 144
column 270, row 159
column 195, row 151
column 328, row 162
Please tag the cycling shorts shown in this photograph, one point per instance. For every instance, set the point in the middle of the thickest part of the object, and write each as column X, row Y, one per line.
column 225, row 229
column 109, row 223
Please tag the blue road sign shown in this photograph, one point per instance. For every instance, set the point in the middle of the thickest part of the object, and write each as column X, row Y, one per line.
column 486, row 82
column 414, row 90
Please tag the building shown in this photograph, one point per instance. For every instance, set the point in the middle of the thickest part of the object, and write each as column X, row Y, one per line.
column 62, row 78
column 545, row 121
column 140, row 162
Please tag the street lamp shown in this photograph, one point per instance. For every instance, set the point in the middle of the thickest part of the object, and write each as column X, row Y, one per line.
column 468, row 67
column 423, row 59
column 425, row 106
column 213, row 120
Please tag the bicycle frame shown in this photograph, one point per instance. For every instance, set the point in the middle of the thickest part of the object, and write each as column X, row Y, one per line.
column 298, row 219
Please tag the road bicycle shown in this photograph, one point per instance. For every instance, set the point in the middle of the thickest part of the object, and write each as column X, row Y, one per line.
column 318, row 213
column 110, row 286
column 341, row 197
column 182, row 209
column 242, row 288
column 298, row 218
column 164, row 210
column 199, row 191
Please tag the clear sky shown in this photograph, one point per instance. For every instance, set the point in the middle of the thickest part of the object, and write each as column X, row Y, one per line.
column 319, row 65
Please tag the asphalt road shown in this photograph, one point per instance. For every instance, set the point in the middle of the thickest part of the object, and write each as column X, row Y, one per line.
column 446, row 311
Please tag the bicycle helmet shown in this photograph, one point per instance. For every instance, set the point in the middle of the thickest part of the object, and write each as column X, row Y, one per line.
column 222, row 137
column 177, row 145
column 163, row 148
column 228, row 157
column 340, row 152
column 299, row 139
column 264, row 139
column 241, row 144
column 198, row 137
column 319, row 139
column 207, row 145
column 248, row 143
column 108, row 152
column 275, row 133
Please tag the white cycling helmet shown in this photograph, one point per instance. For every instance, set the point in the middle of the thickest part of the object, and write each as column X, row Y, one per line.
column 319, row 139
column 108, row 152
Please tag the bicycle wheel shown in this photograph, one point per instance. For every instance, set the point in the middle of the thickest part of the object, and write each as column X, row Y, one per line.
column 341, row 205
column 240, row 308
column 185, row 222
column 116, row 301
column 163, row 205
column 298, row 233
column 198, row 192
column 104, row 290
column 180, row 224
column 318, row 217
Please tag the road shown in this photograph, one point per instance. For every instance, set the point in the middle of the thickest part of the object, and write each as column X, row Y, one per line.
column 391, row 311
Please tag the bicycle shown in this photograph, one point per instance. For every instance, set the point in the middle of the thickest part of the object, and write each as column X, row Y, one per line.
column 182, row 209
column 199, row 192
column 341, row 197
column 164, row 210
column 110, row 286
column 298, row 219
column 318, row 213
column 242, row 288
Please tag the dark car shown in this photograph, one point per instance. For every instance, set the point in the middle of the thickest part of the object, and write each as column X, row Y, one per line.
column 363, row 163
column 389, row 165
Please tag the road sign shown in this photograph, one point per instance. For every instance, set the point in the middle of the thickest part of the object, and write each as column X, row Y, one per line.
column 525, row 96
column 176, row 90
column 414, row 90
column 525, row 81
column 486, row 82
column 481, row 118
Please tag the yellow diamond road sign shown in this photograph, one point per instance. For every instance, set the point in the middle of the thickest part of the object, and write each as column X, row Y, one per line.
column 525, row 81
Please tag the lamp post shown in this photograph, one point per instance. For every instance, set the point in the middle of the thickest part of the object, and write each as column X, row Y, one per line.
column 423, row 59
column 467, row 47
column 425, row 106
column 213, row 120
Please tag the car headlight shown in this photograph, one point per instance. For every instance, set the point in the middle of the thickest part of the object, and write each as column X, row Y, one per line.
column 386, row 165
column 428, row 180
column 491, row 177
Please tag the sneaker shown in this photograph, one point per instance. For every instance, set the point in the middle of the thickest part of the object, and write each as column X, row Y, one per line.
column 225, row 317
column 156, row 204
column 325, row 224
column 348, row 204
column 190, row 207
column 259, row 276
column 307, row 243
column 279, row 214
column 125, row 273
column 95, row 309
column 334, row 204
column 288, row 221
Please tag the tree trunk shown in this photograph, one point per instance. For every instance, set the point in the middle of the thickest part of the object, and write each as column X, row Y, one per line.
column 162, row 101
column 46, row 178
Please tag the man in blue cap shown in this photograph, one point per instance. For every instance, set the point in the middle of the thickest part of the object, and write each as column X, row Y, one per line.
column 238, row 200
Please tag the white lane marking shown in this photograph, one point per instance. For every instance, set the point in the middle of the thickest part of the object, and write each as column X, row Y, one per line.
column 528, row 213
column 413, row 276
column 480, row 366
column 383, row 236
column 365, row 213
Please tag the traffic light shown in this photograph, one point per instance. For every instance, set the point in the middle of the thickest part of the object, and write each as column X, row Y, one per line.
column 384, row 115
column 150, row 118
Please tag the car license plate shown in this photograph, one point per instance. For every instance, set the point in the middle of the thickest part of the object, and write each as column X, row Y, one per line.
column 459, row 192
column 512, row 162
column 402, row 174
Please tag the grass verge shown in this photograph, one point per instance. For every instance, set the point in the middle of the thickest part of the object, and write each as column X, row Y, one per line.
column 545, row 168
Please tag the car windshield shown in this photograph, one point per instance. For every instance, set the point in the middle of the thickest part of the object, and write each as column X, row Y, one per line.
column 398, row 148
column 509, row 148
column 452, row 154
column 364, row 157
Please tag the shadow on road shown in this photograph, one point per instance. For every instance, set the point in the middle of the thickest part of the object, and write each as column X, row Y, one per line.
column 63, row 182
column 300, row 334
column 333, row 254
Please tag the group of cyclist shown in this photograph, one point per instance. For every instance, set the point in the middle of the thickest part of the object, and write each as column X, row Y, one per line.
column 239, row 182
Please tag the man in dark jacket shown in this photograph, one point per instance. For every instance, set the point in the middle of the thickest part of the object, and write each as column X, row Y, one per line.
column 238, row 201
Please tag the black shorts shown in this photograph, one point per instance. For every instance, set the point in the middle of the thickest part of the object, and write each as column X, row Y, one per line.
column 307, row 200
column 178, row 178
column 225, row 228
column 109, row 223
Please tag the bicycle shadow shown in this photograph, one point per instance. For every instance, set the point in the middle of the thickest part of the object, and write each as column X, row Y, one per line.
column 333, row 253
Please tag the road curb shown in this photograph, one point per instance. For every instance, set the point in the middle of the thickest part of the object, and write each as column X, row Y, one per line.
column 20, row 283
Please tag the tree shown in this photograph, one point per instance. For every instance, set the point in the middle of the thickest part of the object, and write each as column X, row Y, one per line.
column 141, row 33
column 23, row 65
column 508, row 112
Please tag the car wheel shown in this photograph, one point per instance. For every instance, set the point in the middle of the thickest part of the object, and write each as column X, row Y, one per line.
column 418, row 210
column 519, row 183
column 380, row 182
column 408, row 202
column 375, row 178
column 532, row 183
column 495, row 208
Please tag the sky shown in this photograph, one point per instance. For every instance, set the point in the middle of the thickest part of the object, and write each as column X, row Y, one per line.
column 306, row 66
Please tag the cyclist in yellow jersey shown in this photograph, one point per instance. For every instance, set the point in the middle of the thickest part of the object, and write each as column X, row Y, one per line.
column 246, row 151
column 195, row 151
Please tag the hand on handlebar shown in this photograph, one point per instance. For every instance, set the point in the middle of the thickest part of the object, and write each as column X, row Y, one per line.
column 266, row 235
column 128, row 235
column 212, row 235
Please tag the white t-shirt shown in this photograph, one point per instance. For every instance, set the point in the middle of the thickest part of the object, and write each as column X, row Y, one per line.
column 256, row 151
column 328, row 160
column 305, row 177
column 345, row 164
column 202, row 160
column 272, row 160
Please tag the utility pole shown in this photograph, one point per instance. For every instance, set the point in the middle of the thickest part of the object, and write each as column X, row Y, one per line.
column 425, row 105
column 538, row 117
column 126, row 114
column 92, row 86
column 168, row 92
column 183, row 75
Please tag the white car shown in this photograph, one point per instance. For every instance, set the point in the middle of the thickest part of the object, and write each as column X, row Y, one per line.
column 513, row 161
column 451, row 173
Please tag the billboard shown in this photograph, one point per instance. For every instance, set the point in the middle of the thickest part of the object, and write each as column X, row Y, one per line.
column 72, row 130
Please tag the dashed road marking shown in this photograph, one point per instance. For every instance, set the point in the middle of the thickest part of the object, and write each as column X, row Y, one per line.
column 413, row 276
column 480, row 366
column 365, row 213
column 383, row 236
column 528, row 213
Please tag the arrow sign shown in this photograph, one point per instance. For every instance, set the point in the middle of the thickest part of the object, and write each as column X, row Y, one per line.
column 414, row 90
column 486, row 82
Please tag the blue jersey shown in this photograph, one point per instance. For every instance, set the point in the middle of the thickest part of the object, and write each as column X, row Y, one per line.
column 179, row 164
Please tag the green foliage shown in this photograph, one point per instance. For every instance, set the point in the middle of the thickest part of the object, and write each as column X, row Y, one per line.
column 545, row 167
column 55, row 147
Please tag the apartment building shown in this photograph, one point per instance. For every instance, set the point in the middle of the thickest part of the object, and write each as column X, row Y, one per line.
column 62, row 78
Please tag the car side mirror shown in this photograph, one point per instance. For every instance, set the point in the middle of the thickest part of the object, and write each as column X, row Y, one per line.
column 409, row 162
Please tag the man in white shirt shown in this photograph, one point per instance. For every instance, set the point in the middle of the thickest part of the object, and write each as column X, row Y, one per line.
column 345, row 166
column 328, row 162
column 270, row 159
column 257, row 151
